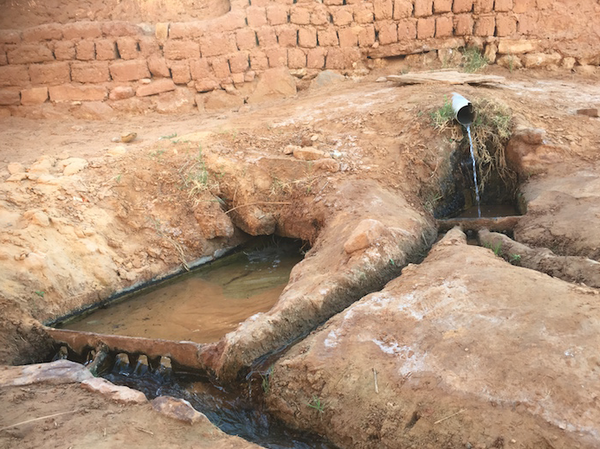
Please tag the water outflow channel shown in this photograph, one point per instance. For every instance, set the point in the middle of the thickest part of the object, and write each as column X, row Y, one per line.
column 202, row 306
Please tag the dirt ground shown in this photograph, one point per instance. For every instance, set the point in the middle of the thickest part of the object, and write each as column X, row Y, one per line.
column 82, row 216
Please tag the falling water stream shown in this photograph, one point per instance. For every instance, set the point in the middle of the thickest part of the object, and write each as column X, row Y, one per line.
column 474, row 172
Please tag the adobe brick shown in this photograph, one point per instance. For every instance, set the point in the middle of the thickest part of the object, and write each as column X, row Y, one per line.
column 148, row 46
column 217, row 44
column 90, row 72
column 402, row 9
column 47, row 32
column 27, row 54
column 383, row 9
column 296, row 58
column 85, row 50
column 258, row 60
column 206, row 85
column 161, row 31
column 307, row 37
column 82, row 30
column 483, row 6
column 425, row 27
column 463, row 25
column 238, row 78
column 388, row 32
column 155, row 87
column 407, row 30
column 327, row 37
column 503, row 5
column 128, row 47
column 158, row 67
column 287, row 36
column 10, row 37
column 300, row 16
column 48, row 74
column 257, row 16
column 121, row 93
column 423, row 8
column 342, row 15
column 187, row 30
column 443, row 26
column 277, row 14
column 132, row 70
column 363, row 13
column 106, row 50
column 485, row 26
column 341, row 58
column 70, row 92
column 266, row 37
column 319, row 15
column 233, row 20
column 180, row 72
column 349, row 37
column 220, row 67
column 366, row 36
column 442, row 6
column 238, row 63
column 34, row 95
column 315, row 58
column 10, row 97
column 249, row 76
column 245, row 39
column 64, row 50
column 199, row 68
column 521, row 6
column 505, row 25
column 181, row 49
column 460, row 6
column 544, row 4
column 526, row 24
column 333, row 2
column 277, row 57
column 13, row 75
column 117, row 29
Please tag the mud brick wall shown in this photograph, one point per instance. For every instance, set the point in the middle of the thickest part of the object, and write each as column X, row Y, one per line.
column 114, row 61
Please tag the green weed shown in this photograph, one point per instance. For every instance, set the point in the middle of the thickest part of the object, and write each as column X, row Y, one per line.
column 443, row 116
column 39, row 293
column 473, row 59
column 495, row 247
column 316, row 403
column 515, row 258
column 266, row 379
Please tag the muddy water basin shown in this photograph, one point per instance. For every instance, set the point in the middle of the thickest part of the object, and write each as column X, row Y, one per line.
column 204, row 304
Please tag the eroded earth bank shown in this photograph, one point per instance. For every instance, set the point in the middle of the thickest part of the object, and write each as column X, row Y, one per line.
column 402, row 338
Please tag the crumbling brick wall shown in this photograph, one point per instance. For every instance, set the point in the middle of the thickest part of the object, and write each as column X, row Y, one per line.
column 113, row 61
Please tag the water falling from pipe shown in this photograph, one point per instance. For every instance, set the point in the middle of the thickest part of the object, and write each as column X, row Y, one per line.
column 474, row 172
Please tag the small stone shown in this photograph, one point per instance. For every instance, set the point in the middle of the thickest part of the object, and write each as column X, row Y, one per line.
column 289, row 149
column 73, row 165
column 17, row 177
column 128, row 137
column 308, row 154
column 179, row 409
column 366, row 233
column 590, row 112
column 328, row 165
column 119, row 150
column 37, row 217
column 15, row 167
column 116, row 393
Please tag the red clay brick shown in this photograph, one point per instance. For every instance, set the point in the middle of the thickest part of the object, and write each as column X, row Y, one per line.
column 296, row 58
column 128, row 47
column 443, row 26
column 505, row 25
column 319, row 15
column 199, row 69
column 54, row 73
column 423, row 8
column 155, row 87
column 148, row 46
column 383, row 9
column 315, row 58
column 121, row 93
column 181, row 50
column 307, row 37
column 238, row 78
column 277, row 57
column 10, row 37
column 64, row 50
column 158, row 67
column 239, row 62
column 180, row 72
column 407, row 30
column 349, row 37
column 233, row 20
column 206, row 85
column 425, row 27
column 460, row 6
column 366, row 36
column 503, row 5
column 187, row 30
column 245, row 39
column 132, row 70
column 26, row 54
column 277, row 14
column 287, row 36
column 70, row 92
column 342, row 15
column 217, row 44
column 257, row 16
column 82, row 30
column 527, row 24
column 85, row 50
column 90, row 72
column 47, row 32
column 483, row 6
column 442, row 6
column 300, row 16
column 258, row 60
column 220, row 67
column 14, row 75
column 327, row 37
column 485, row 26
column 403, row 9
column 10, row 97
column 388, row 32
column 363, row 13
column 266, row 37
column 521, row 6
column 341, row 58
column 106, row 50
column 463, row 25
column 118, row 29
column 34, row 95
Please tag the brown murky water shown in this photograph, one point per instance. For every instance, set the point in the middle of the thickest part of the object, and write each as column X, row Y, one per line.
column 201, row 306
column 490, row 210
